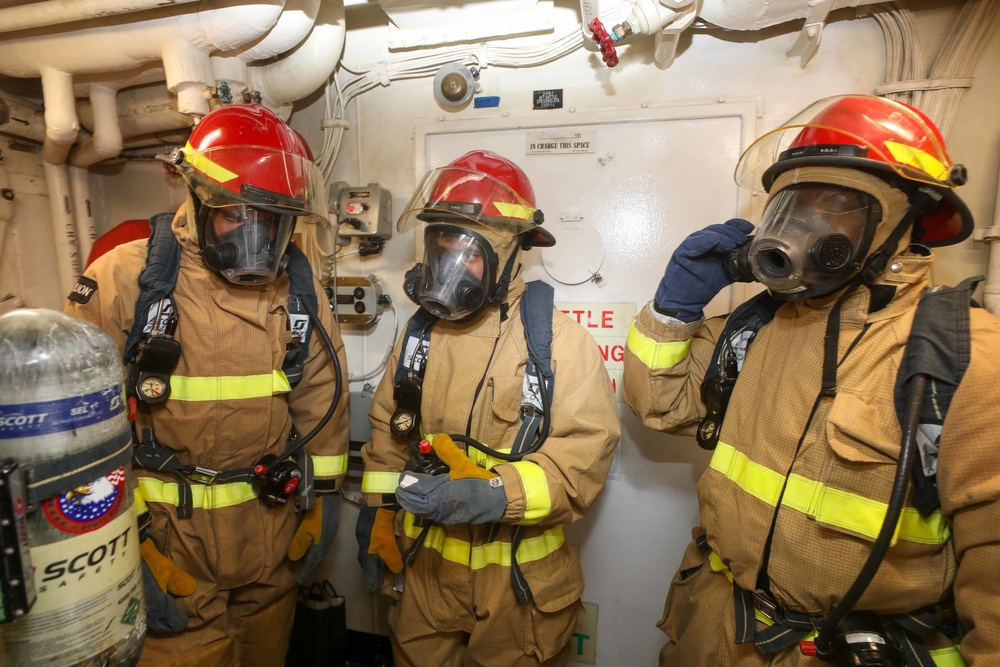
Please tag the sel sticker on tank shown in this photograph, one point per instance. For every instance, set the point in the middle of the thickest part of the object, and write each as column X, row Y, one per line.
column 88, row 507
column 27, row 420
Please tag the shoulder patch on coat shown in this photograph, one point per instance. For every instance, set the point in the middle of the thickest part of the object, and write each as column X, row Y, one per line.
column 83, row 290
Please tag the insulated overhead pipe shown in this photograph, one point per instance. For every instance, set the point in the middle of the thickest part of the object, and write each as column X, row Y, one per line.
column 307, row 67
column 55, row 12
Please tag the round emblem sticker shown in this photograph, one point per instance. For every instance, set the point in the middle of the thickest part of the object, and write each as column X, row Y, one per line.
column 87, row 507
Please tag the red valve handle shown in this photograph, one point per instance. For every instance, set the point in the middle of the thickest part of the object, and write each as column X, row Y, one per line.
column 600, row 35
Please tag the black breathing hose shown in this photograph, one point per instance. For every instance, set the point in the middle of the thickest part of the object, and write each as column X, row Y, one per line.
column 900, row 484
column 338, row 386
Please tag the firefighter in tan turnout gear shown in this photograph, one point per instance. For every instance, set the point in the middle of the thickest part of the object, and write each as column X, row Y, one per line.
column 828, row 531
column 487, row 454
column 235, row 350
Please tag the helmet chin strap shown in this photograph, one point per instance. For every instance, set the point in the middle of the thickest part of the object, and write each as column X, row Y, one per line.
column 503, row 284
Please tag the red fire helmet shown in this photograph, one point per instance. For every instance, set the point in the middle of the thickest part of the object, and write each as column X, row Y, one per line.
column 882, row 136
column 482, row 188
column 245, row 154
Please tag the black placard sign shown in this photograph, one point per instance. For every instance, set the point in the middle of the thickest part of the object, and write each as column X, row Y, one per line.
column 547, row 99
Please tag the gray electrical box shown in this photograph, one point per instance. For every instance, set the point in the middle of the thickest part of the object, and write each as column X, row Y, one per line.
column 358, row 408
column 364, row 211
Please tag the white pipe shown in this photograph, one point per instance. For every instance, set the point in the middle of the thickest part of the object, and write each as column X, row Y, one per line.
column 141, row 111
column 6, row 206
column 649, row 17
column 991, row 290
column 181, row 39
column 21, row 120
column 63, row 225
column 53, row 12
column 302, row 71
column 146, row 73
column 107, row 136
column 83, row 214
column 61, row 124
column 292, row 28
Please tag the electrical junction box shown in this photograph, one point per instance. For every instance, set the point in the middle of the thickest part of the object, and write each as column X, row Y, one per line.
column 356, row 300
column 364, row 212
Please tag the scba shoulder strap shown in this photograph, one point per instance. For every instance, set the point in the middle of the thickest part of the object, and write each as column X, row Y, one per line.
column 150, row 350
column 537, row 388
column 154, row 307
column 536, row 317
column 938, row 347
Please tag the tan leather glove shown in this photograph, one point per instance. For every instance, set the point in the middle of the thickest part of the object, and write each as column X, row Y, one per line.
column 383, row 541
column 460, row 465
column 170, row 578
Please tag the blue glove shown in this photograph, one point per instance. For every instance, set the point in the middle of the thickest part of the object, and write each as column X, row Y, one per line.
column 452, row 501
column 163, row 616
column 695, row 273
column 315, row 535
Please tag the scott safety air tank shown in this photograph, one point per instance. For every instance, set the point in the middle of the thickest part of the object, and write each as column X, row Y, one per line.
column 66, row 509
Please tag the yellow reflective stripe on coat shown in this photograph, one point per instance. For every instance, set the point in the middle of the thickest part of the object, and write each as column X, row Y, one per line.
column 485, row 460
column 228, row 388
column 329, row 466
column 860, row 514
column 492, row 553
column 823, row 503
column 204, row 496
column 379, row 482
column 947, row 657
column 139, row 501
column 654, row 355
column 537, row 502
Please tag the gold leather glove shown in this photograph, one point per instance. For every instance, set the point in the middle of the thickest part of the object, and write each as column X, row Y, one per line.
column 460, row 465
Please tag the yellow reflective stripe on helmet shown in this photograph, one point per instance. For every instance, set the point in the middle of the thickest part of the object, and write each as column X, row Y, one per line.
column 537, row 502
column 947, row 657
column 757, row 480
column 214, row 171
column 914, row 157
column 204, row 496
column 379, row 482
column 656, row 355
column 228, row 388
column 492, row 553
column 859, row 514
column 823, row 503
column 509, row 210
column 329, row 466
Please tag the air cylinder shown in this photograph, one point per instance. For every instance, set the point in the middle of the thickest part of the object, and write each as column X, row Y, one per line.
column 66, row 483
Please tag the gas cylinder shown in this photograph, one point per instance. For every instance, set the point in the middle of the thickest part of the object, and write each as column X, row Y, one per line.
column 66, row 502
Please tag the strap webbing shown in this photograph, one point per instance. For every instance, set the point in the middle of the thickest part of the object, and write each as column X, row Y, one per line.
column 150, row 454
column 48, row 478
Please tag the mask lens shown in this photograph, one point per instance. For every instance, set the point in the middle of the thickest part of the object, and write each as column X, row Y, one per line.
column 245, row 244
column 455, row 277
column 813, row 237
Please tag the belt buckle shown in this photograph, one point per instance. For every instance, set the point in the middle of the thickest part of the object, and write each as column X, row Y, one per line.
column 203, row 475
column 767, row 605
